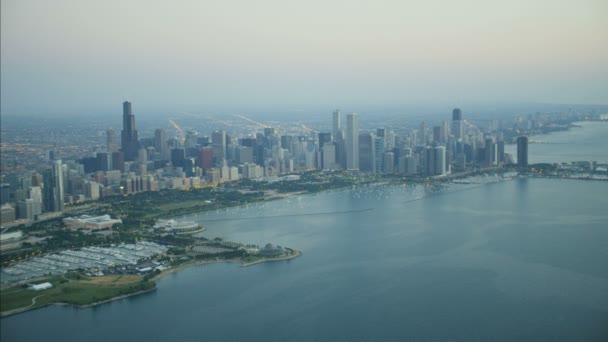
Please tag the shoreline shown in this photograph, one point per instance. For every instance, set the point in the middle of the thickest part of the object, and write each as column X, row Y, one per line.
column 30, row 308
column 296, row 253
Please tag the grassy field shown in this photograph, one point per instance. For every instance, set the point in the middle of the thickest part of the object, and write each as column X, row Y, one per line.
column 113, row 279
column 81, row 292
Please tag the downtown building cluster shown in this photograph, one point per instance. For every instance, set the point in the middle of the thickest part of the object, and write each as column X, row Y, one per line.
column 150, row 164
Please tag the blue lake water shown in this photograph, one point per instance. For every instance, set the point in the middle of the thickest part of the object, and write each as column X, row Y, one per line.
column 520, row 260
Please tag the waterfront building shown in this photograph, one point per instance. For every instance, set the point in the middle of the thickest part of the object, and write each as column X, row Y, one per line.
column 389, row 162
column 366, row 152
column 177, row 227
column 500, row 152
column 490, row 152
column 270, row 250
column 379, row 147
column 522, row 151
column 440, row 160
column 408, row 165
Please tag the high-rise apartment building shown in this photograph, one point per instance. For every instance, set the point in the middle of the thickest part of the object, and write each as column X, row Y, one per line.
column 422, row 134
column 53, row 187
column 522, row 151
column 352, row 141
column 366, row 152
column 337, row 125
column 457, row 124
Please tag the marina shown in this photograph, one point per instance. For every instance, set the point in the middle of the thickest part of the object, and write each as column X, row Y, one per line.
column 86, row 258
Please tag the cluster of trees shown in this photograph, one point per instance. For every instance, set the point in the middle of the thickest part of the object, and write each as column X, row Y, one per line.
column 224, row 255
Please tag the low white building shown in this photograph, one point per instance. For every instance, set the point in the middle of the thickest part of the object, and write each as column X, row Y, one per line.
column 12, row 236
column 90, row 222
column 42, row 286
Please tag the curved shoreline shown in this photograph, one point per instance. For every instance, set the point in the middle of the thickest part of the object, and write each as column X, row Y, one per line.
column 31, row 307
column 296, row 253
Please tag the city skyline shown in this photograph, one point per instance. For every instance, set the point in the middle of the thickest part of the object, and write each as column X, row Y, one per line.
column 263, row 153
column 271, row 55
column 316, row 170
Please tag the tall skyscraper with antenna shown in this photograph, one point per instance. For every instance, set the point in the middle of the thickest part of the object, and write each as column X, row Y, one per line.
column 130, row 143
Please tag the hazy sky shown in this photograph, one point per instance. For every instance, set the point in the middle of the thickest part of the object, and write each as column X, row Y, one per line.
column 70, row 56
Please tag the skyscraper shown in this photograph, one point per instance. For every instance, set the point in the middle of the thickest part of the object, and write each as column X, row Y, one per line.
column 379, row 149
column 500, row 153
column 337, row 125
column 440, row 162
column 457, row 124
column 324, row 138
column 366, row 152
column 352, row 141
column 53, row 187
column 456, row 114
column 422, row 135
column 490, row 152
column 522, row 151
column 328, row 156
column 130, row 143
column 112, row 143
column 218, row 141
column 160, row 143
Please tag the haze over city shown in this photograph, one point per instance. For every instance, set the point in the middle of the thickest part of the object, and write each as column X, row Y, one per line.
column 70, row 57
column 303, row 171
